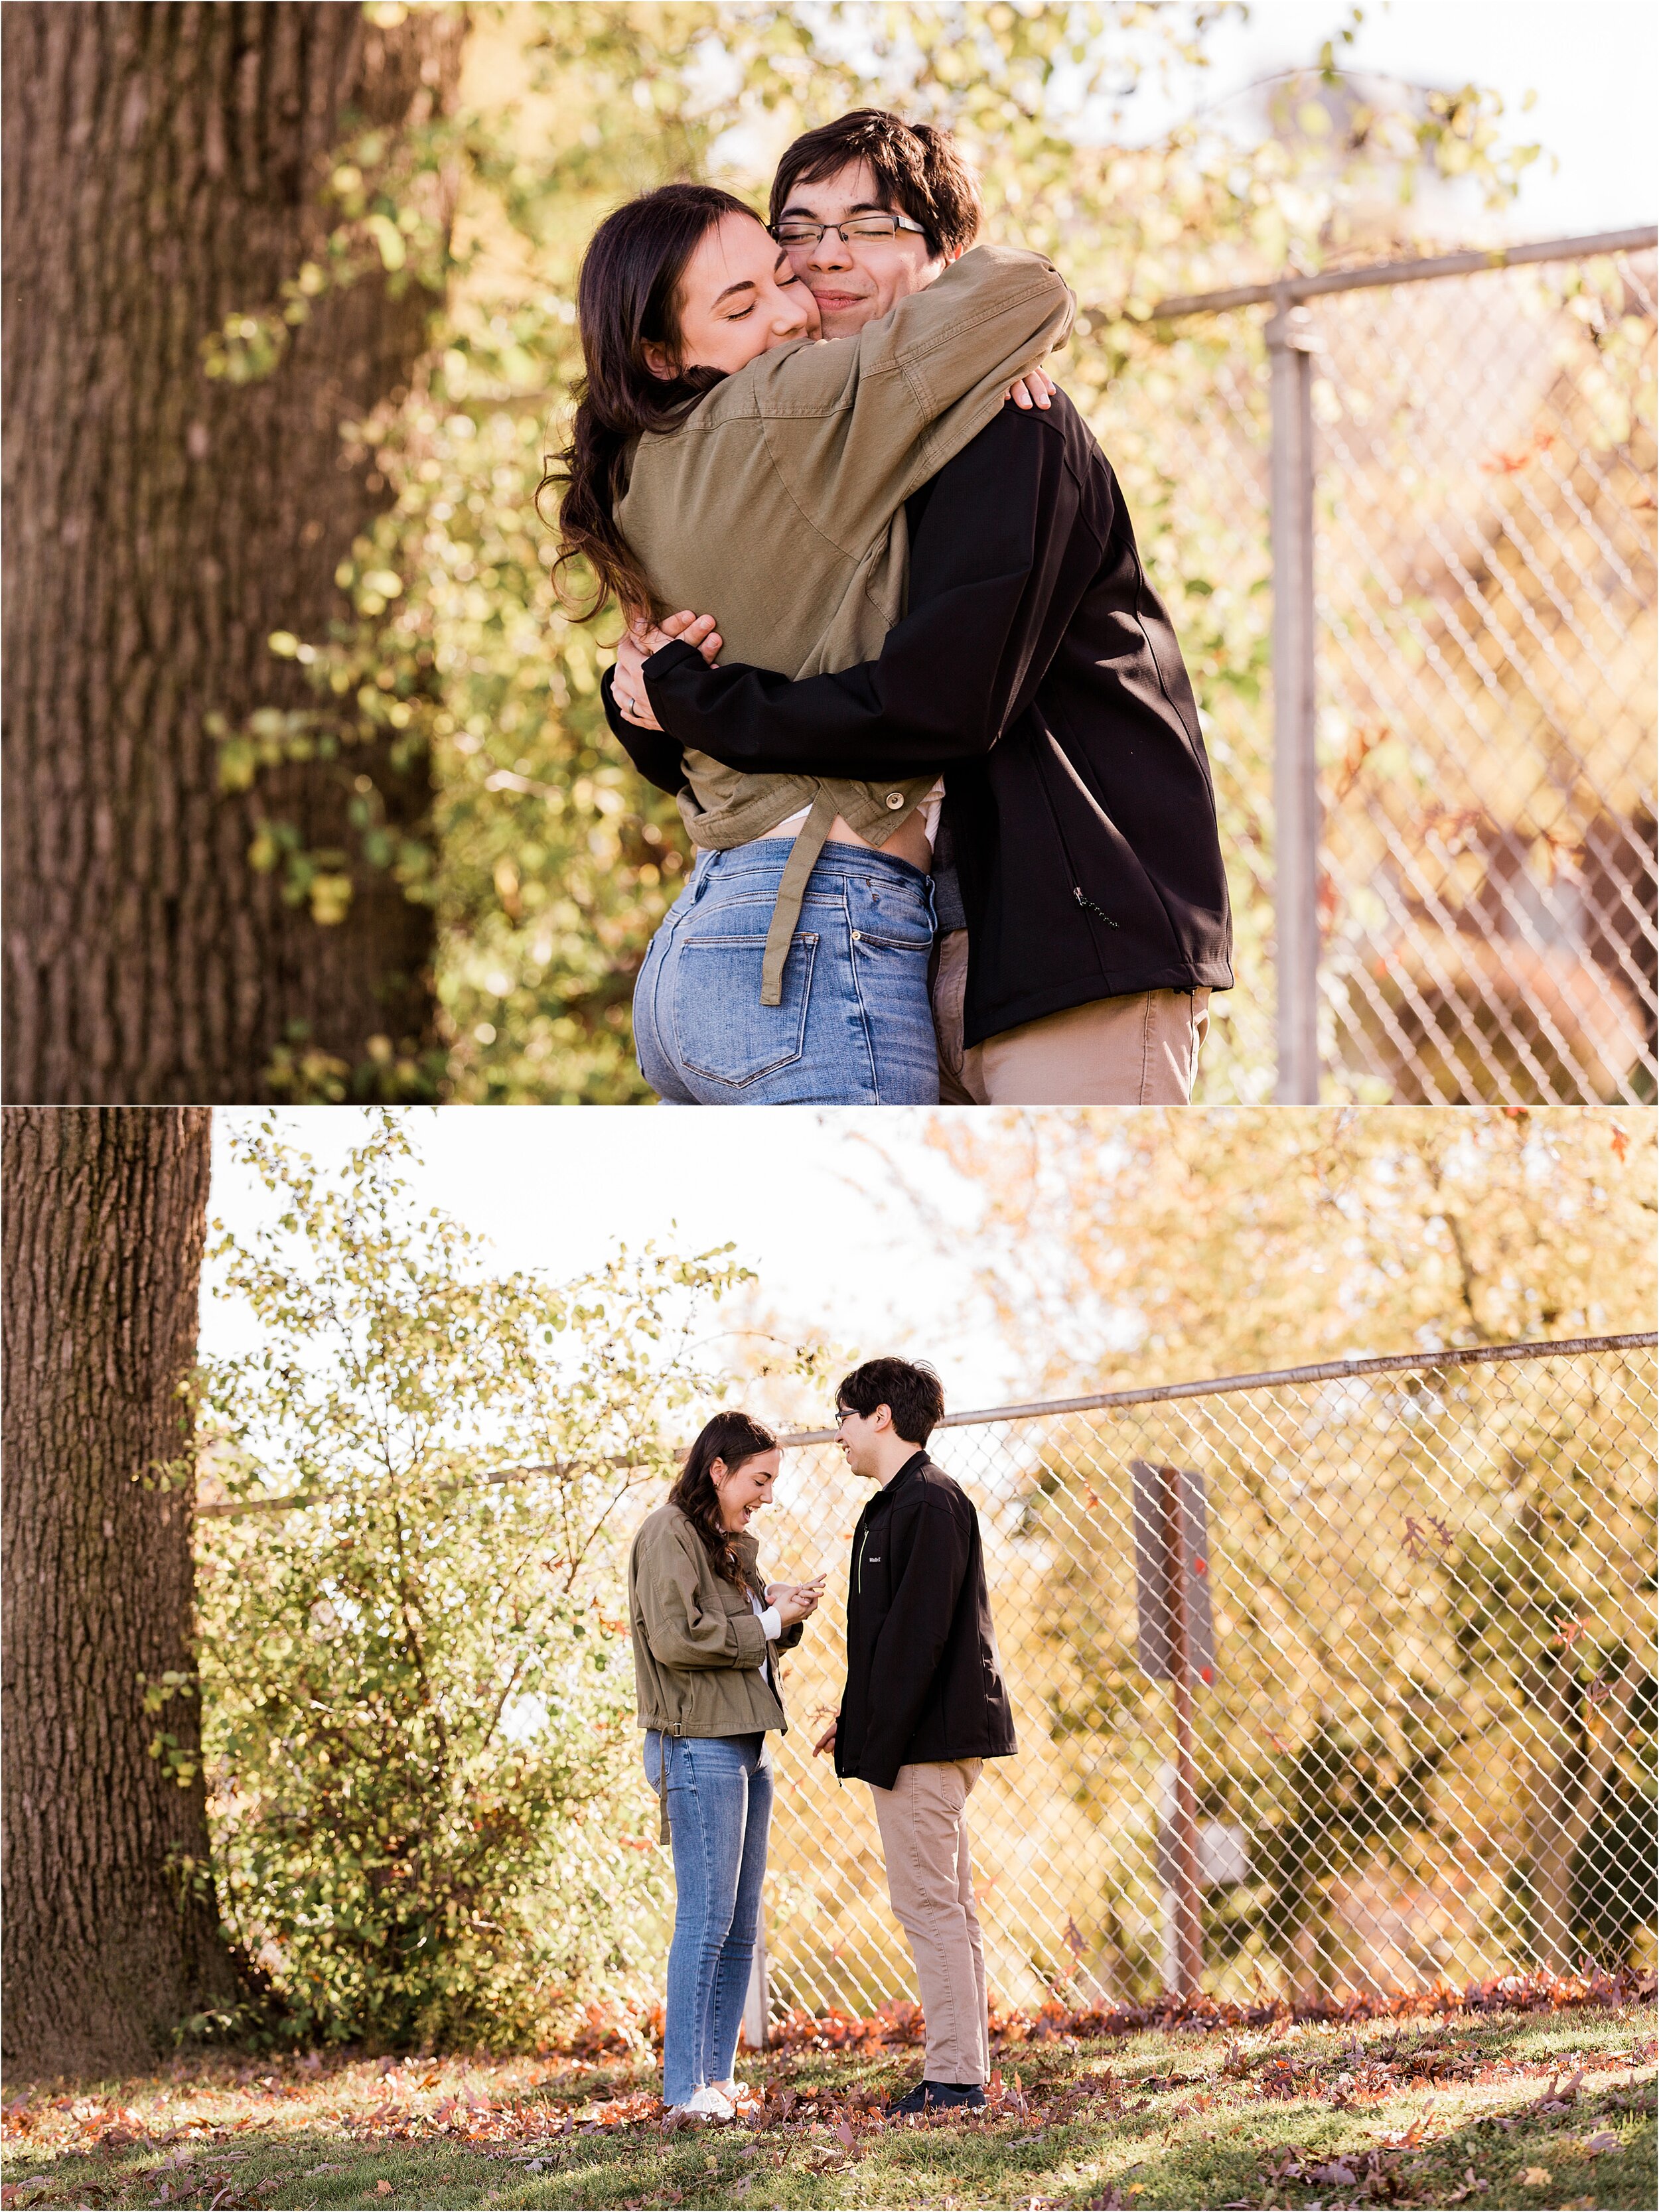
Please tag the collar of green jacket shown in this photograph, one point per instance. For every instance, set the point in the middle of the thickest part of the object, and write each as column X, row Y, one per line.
column 778, row 506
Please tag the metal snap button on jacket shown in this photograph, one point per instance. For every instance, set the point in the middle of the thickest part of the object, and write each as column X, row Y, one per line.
column 896, row 799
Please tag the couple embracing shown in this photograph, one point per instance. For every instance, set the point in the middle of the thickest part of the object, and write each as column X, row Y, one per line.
column 893, row 649
column 923, row 1706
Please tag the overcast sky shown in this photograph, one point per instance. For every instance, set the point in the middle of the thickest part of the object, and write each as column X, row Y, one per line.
column 807, row 1204
column 1592, row 64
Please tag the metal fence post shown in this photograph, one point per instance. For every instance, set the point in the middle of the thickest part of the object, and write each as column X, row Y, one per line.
column 1296, row 798
column 1189, row 1933
column 756, row 2003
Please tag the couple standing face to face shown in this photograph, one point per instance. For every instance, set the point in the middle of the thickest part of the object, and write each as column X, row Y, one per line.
column 742, row 293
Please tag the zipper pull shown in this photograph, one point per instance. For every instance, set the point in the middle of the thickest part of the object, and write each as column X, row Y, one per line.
column 1083, row 900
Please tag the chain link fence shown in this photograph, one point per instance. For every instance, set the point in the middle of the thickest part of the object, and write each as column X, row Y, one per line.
column 1427, row 1750
column 1428, row 508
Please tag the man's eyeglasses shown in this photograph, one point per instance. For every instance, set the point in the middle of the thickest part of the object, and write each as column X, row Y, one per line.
column 792, row 233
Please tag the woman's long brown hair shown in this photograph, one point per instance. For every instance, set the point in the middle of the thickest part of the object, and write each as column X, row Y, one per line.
column 628, row 297
column 732, row 1437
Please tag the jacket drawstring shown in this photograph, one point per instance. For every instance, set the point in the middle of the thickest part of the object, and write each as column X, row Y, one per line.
column 662, row 1784
column 809, row 841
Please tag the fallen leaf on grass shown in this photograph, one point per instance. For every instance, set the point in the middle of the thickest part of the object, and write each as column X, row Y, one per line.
column 1603, row 2139
column 1558, row 2098
column 312, row 2171
column 1408, row 2138
column 1536, row 2177
column 1472, row 2187
column 383, row 2188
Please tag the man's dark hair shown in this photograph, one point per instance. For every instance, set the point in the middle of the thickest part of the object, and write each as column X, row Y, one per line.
column 909, row 1389
column 917, row 168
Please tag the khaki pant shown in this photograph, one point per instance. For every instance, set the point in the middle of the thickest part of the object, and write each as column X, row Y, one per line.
column 1141, row 1051
column 923, row 1819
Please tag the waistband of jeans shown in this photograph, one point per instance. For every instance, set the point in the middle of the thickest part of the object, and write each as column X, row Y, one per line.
column 769, row 856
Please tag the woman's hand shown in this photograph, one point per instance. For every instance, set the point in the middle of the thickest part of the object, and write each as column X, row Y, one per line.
column 794, row 1600
column 639, row 642
column 1033, row 389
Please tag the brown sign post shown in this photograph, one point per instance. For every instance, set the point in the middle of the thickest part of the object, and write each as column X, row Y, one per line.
column 1177, row 1644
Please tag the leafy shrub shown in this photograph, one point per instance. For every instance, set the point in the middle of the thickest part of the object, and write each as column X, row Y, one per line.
column 430, row 1827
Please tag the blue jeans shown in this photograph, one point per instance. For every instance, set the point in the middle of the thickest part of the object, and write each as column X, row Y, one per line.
column 856, row 1025
column 720, row 1809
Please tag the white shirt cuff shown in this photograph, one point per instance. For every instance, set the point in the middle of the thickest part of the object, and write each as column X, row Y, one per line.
column 771, row 1622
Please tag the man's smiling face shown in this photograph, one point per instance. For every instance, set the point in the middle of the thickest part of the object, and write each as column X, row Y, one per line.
column 854, row 283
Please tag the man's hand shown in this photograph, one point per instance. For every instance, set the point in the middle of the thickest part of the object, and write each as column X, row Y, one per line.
column 827, row 1741
column 1033, row 389
column 639, row 642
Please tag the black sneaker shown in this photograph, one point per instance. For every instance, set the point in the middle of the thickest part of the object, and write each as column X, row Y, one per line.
column 937, row 2096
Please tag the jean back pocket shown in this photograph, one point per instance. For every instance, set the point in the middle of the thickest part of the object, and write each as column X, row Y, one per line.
column 721, row 1027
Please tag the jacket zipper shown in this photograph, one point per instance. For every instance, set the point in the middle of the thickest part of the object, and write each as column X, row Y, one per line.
column 1083, row 900
column 857, row 1576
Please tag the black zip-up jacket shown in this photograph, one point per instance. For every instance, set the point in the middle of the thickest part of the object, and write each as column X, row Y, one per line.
column 923, row 1678
column 1036, row 667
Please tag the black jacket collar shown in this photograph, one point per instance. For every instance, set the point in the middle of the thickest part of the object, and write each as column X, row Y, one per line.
column 913, row 1466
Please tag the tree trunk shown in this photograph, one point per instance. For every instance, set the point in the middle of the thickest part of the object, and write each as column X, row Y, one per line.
column 162, row 167
column 112, row 1932
column 1575, row 1750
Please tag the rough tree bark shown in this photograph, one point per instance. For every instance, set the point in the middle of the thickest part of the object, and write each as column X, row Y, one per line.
column 110, row 1943
column 162, row 166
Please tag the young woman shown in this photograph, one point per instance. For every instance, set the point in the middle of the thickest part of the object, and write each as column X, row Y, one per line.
column 706, row 1632
column 721, row 459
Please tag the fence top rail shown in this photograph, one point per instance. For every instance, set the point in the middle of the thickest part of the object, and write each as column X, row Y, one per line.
column 1288, row 291
column 1327, row 1371
column 1157, row 1393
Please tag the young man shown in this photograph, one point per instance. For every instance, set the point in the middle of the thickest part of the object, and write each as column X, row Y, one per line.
column 924, row 1706
column 1077, row 874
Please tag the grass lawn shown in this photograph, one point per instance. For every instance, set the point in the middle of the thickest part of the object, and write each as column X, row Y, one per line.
column 1544, row 2108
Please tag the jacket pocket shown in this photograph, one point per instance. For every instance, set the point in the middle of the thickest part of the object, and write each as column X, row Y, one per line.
column 1111, row 885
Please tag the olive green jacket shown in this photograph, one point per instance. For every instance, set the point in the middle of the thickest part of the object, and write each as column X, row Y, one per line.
column 778, row 506
column 699, row 1652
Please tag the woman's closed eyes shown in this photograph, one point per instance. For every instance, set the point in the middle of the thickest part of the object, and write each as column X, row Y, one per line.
column 736, row 314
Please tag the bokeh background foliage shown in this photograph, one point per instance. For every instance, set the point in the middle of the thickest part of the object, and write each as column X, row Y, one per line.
column 548, row 860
